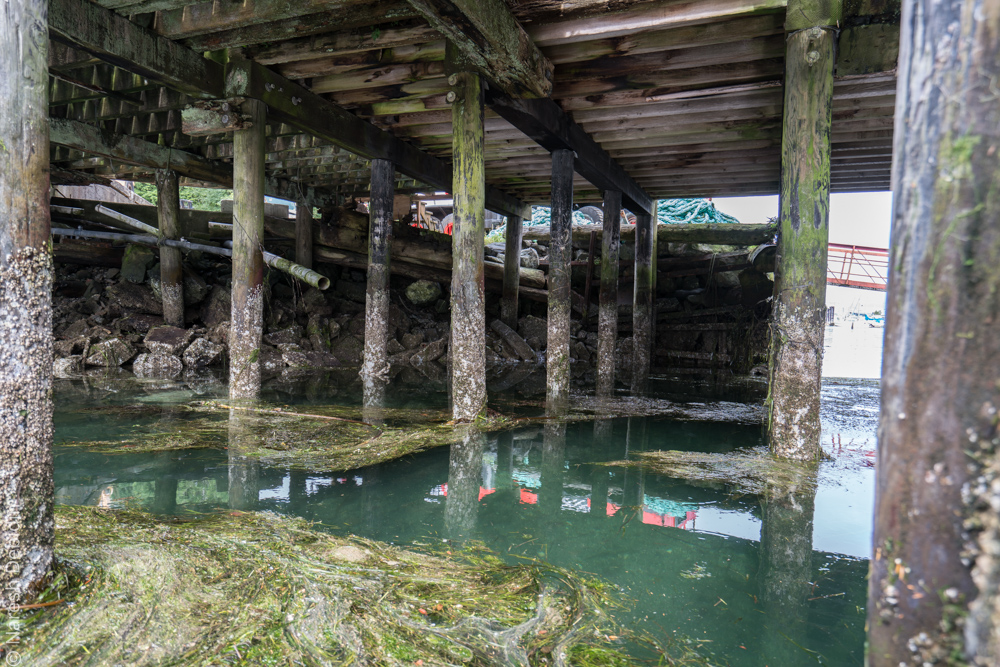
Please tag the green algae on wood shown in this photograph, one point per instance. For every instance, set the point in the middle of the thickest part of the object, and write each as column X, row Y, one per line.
column 607, row 319
column 256, row 588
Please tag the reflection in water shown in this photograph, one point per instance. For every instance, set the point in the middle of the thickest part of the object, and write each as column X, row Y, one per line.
column 786, row 570
column 373, row 400
column 465, row 464
column 553, row 466
column 244, row 471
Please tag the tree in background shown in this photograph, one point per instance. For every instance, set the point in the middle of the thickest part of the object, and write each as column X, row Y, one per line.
column 204, row 199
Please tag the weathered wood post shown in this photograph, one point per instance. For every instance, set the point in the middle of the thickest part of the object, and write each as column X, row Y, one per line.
column 935, row 563
column 246, row 324
column 468, row 294
column 511, row 271
column 560, row 253
column 607, row 318
column 800, row 274
column 303, row 235
column 375, row 369
column 168, row 206
column 26, row 493
column 642, row 302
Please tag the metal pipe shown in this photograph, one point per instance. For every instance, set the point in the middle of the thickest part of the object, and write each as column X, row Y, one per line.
column 127, row 220
column 308, row 276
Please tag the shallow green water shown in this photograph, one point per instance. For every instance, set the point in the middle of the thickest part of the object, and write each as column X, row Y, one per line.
column 690, row 555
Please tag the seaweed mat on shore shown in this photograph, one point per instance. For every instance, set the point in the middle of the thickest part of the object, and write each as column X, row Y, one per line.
column 260, row 589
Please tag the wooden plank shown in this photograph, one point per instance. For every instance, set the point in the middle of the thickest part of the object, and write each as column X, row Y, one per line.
column 341, row 43
column 551, row 128
column 114, row 39
column 717, row 234
column 491, row 40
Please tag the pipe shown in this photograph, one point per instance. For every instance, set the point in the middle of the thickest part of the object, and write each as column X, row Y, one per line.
column 308, row 276
column 127, row 220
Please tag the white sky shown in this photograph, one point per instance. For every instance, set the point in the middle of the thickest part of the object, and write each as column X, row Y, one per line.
column 857, row 219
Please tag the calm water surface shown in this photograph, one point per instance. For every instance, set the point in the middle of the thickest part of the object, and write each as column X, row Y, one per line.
column 751, row 582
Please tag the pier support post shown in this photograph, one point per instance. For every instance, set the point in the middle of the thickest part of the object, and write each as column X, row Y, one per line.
column 642, row 302
column 375, row 369
column 168, row 206
column 303, row 235
column 936, row 565
column 246, row 324
column 468, row 293
column 560, row 254
column 607, row 319
column 511, row 271
column 800, row 274
column 26, row 494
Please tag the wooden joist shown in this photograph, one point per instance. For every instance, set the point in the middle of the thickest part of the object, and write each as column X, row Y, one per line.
column 491, row 40
column 715, row 234
column 551, row 128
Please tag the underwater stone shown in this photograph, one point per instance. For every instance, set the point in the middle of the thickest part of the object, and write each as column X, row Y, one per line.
column 157, row 366
column 167, row 340
column 423, row 292
column 202, row 352
column 114, row 352
column 67, row 366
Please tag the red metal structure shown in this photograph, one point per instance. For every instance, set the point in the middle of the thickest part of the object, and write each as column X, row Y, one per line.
column 857, row 266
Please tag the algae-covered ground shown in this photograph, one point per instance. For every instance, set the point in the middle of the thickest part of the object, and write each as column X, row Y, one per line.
column 259, row 589
column 317, row 439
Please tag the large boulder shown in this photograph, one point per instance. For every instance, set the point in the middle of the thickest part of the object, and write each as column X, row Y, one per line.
column 533, row 328
column 167, row 340
column 423, row 292
column 529, row 258
column 314, row 303
column 202, row 352
column 127, row 298
column 135, row 261
column 217, row 307
column 157, row 366
column 348, row 350
column 110, row 353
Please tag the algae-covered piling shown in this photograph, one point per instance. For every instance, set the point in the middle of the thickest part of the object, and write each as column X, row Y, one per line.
column 258, row 589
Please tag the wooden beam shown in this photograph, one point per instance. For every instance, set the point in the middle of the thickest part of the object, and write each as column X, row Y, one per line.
column 490, row 39
column 114, row 39
column 551, row 128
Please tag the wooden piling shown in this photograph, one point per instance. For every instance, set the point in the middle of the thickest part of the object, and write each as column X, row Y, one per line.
column 800, row 274
column 560, row 249
column 511, row 271
column 934, row 589
column 607, row 318
column 642, row 302
column 375, row 369
column 468, row 300
column 303, row 235
column 245, row 328
column 168, row 207
column 26, row 494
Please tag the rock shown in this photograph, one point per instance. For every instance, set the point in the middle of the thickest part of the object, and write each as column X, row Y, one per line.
column 271, row 360
column 68, row 348
column 579, row 352
column 399, row 319
column 423, row 292
column 516, row 343
column 127, row 298
column 351, row 290
column 138, row 323
column 293, row 356
column 318, row 331
column 157, row 365
column 217, row 307
column 394, row 346
column 574, row 327
column 411, row 340
column 442, row 306
column 291, row 335
column 669, row 305
column 755, row 287
column 533, row 327
column 135, row 261
column 99, row 333
column 334, row 328
column 529, row 258
column 67, row 366
column 430, row 352
column 195, row 289
column 314, row 303
column 167, row 340
column 219, row 334
column 75, row 330
column 202, row 352
column 356, row 327
column 348, row 350
column 111, row 353
column 321, row 360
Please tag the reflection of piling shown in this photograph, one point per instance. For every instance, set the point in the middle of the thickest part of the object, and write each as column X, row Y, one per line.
column 603, row 432
column 800, row 272
column 786, row 568
column 636, row 440
column 607, row 326
column 247, row 320
column 244, row 471
column 553, row 469
column 560, row 251
column 465, row 462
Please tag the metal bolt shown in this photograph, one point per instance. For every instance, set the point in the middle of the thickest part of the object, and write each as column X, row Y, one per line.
column 450, row 97
column 296, row 100
column 453, row 80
